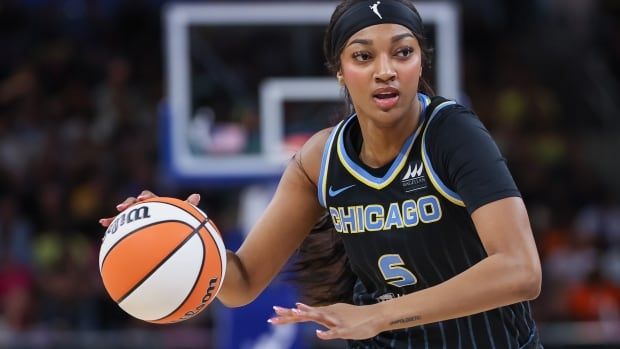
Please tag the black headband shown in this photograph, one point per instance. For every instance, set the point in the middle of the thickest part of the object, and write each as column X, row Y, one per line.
column 367, row 13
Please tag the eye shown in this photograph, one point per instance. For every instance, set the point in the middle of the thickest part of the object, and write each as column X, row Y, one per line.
column 361, row 56
column 405, row 52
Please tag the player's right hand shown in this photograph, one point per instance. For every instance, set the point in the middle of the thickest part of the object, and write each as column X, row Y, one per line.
column 193, row 199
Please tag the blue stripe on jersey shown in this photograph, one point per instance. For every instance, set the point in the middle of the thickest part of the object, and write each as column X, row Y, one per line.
column 503, row 320
column 425, row 336
column 471, row 333
column 469, row 318
column 514, row 323
column 448, row 193
column 488, row 326
column 361, row 174
column 443, row 334
column 321, row 190
column 408, row 330
column 458, row 330
column 530, row 339
column 523, row 315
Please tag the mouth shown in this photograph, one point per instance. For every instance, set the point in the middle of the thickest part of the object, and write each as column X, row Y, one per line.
column 386, row 98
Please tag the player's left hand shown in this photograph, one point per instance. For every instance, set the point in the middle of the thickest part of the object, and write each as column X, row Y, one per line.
column 343, row 321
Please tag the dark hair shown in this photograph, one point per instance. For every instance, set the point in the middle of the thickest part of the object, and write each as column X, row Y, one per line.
column 321, row 267
column 332, row 57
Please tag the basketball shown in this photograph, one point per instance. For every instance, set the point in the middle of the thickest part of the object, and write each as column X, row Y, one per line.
column 162, row 260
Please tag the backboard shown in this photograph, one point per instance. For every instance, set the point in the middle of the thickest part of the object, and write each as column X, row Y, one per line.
column 246, row 83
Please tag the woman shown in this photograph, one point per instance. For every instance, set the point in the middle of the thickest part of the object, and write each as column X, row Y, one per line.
column 439, row 250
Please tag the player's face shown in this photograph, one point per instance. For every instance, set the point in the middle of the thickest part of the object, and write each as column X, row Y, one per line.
column 381, row 67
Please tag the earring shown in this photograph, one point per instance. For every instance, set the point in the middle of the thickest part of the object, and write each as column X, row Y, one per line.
column 340, row 80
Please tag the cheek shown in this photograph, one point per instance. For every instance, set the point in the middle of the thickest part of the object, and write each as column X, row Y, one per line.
column 354, row 76
column 410, row 76
column 356, row 80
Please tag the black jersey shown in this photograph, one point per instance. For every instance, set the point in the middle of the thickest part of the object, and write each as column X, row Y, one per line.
column 406, row 226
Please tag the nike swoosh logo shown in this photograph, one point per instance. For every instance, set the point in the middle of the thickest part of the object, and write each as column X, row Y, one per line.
column 333, row 192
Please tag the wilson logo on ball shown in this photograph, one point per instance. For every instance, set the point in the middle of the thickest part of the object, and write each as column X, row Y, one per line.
column 205, row 301
column 126, row 218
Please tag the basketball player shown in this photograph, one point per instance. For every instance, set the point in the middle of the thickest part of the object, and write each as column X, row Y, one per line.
column 432, row 239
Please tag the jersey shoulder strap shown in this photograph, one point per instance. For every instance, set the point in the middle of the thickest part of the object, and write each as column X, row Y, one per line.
column 325, row 161
column 437, row 104
column 436, row 101
column 434, row 110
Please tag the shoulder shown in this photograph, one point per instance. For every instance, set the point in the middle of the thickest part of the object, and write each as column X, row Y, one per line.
column 443, row 109
column 449, row 118
column 456, row 132
column 311, row 153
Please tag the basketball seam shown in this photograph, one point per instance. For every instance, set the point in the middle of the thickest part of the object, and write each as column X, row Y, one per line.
column 202, row 264
column 218, row 254
column 136, row 231
column 139, row 283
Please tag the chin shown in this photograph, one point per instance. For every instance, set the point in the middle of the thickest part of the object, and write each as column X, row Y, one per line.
column 387, row 118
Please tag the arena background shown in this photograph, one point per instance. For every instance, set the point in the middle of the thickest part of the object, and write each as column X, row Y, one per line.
column 83, row 96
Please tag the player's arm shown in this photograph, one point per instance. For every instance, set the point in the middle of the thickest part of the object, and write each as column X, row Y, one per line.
column 289, row 217
column 292, row 213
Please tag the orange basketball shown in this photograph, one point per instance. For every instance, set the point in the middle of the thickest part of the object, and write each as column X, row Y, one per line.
column 162, row 260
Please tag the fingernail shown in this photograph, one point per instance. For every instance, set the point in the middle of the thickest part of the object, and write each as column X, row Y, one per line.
column 141, row 197
column 319, row 332
column 269, row 321
column 119, row 206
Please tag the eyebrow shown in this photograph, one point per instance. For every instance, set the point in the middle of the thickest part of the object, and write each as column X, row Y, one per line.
column 402, row 36
column 395, row 38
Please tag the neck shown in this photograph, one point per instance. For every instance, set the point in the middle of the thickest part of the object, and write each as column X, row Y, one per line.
column 383, row 142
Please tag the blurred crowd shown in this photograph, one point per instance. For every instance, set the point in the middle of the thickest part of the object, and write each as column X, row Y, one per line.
column 81, row 82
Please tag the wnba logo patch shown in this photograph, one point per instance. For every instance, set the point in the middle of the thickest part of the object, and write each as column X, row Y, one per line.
column 414, row 178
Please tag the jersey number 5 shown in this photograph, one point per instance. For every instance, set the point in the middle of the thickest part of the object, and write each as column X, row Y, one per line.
column 394, row 272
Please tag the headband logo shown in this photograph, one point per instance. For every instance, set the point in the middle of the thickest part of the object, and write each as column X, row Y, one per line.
column 375, row 9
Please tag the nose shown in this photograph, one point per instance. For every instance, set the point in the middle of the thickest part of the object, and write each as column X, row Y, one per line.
column 384, row 69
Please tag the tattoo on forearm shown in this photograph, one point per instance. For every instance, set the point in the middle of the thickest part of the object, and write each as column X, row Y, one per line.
column 406, row 320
